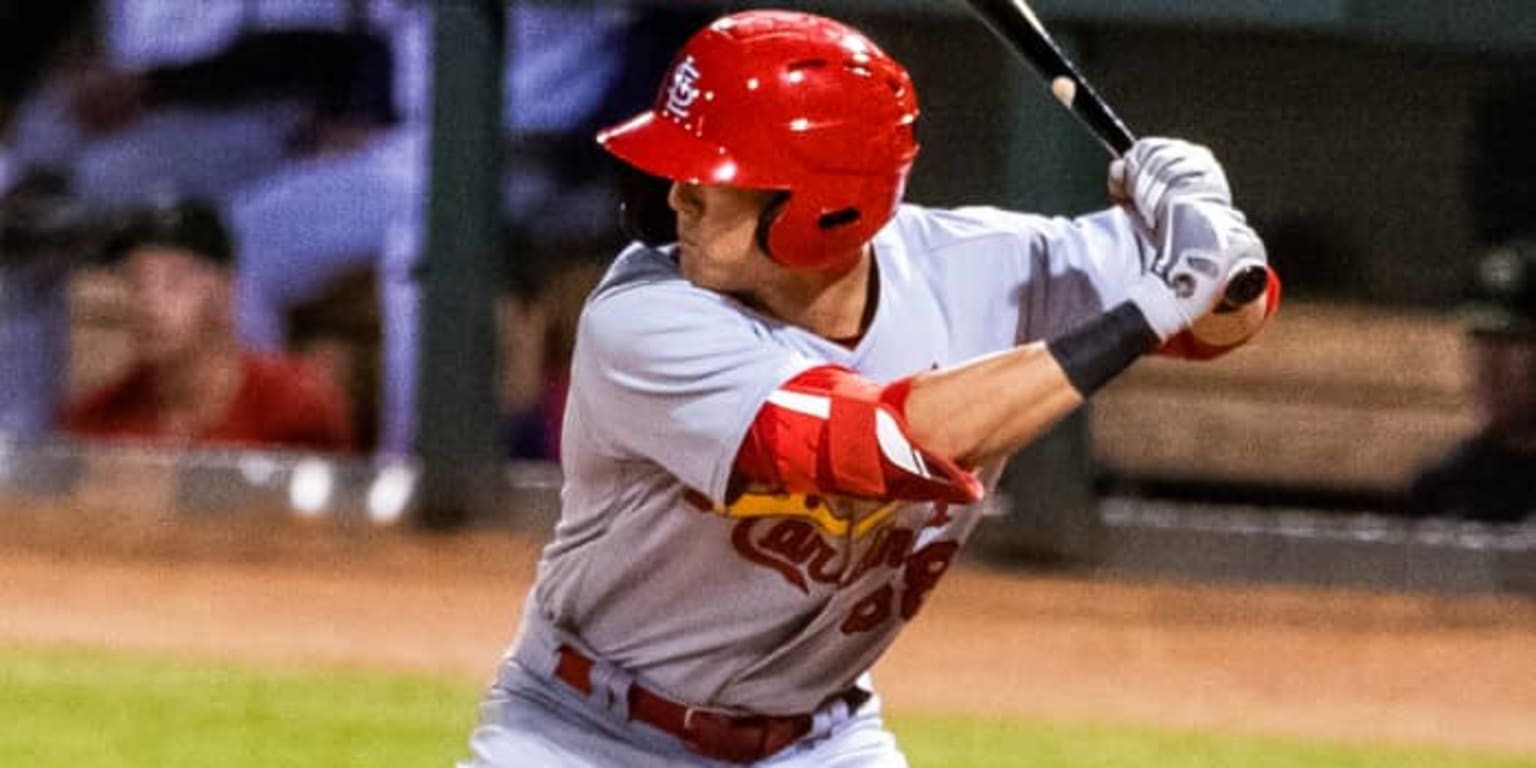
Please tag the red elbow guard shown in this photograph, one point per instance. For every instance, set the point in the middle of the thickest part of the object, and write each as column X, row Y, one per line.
column 831, row 432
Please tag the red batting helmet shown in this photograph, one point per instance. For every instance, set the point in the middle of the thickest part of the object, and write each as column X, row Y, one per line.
column 784, row 101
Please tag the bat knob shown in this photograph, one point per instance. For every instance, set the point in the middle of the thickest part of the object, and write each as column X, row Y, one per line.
column 1247, row 284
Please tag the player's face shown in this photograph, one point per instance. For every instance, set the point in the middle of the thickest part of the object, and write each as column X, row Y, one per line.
column 179, row 299
column 717, row 236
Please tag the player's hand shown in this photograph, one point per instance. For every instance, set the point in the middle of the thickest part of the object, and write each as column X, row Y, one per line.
column 1201, row 243
column 1224, row 329
column 1157, row 171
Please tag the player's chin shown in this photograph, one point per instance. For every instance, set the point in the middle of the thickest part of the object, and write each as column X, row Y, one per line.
column 711, row 270
column 696, row 269
column 706, row 280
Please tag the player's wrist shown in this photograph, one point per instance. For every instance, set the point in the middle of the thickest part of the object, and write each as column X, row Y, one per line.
column 1097, row 351
column 1162, row 311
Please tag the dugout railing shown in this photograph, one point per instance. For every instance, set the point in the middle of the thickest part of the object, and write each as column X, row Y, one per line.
column 137, row 500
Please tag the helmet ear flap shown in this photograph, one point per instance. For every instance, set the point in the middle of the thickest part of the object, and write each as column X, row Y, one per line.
column 823, row 227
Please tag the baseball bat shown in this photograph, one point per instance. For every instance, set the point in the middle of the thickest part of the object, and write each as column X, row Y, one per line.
column 1015, row 22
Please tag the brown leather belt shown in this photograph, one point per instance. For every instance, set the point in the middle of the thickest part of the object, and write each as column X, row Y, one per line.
column 729, row 738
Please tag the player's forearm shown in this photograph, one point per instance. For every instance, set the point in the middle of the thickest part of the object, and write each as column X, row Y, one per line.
column 992, row 406
column 989, row 407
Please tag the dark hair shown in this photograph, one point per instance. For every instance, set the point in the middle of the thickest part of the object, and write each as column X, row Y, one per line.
column 194, row 225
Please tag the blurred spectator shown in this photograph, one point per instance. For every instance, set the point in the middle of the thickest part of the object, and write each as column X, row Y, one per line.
column 350, row 206
column 538, row 336
column 39, row 228
column 338, row 332
column 308, row 121
column 192, row 382
column 1492, row 475
column 194, row 98
column 353, row 204
column 39, row 232
column 363, row 207
column 286, row 113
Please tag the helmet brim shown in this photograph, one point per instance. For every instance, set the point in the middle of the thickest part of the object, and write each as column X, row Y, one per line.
column 661, row 147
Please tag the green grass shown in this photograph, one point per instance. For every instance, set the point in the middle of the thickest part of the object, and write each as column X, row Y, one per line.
column 955, row 741
column 74, row 709
column 68, row 709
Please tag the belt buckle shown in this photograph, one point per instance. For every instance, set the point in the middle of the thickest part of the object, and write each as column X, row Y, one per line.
column 719, row 736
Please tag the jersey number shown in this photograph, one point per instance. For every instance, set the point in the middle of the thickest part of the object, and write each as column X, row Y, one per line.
column 919, row 576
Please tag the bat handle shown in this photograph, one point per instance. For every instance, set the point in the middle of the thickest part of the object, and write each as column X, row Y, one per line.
column 1249, row 280
column 1117, row 138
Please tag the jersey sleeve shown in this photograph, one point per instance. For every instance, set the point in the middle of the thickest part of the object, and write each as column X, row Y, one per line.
column 674, row 375
column 1046, row 274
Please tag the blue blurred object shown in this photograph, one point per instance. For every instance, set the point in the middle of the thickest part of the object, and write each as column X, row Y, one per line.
column 34, row 343
column 42, row 230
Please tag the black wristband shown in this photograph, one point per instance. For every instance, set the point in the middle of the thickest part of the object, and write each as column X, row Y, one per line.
column 1101, row 348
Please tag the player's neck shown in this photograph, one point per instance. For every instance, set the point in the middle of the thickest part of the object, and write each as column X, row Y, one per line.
column 835, row 304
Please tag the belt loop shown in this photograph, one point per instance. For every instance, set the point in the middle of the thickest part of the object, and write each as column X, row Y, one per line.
column 610, row 688
column 536, row 646
column 839, row 710
column 825, row 719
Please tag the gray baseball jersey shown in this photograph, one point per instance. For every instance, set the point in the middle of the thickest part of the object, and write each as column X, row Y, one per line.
column 771, row 603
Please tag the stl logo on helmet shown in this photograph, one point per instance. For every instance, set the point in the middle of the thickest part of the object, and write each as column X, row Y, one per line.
column 684, row 89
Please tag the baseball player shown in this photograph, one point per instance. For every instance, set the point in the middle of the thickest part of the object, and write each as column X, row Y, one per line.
column 782, row 414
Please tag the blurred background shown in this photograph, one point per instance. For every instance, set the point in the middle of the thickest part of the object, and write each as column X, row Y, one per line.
column 325, row 257
column 288, row 290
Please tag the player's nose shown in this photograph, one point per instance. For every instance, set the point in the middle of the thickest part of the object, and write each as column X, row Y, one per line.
column 684, row 198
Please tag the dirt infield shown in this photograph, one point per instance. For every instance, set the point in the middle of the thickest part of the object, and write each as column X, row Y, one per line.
column 1416, row 670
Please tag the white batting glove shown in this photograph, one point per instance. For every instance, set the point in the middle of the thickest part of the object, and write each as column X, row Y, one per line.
column 1203, row 243
column 1178, row 194
column 1157, row 171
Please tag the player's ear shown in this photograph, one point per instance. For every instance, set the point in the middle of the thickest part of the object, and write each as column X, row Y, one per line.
column 766, row 219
